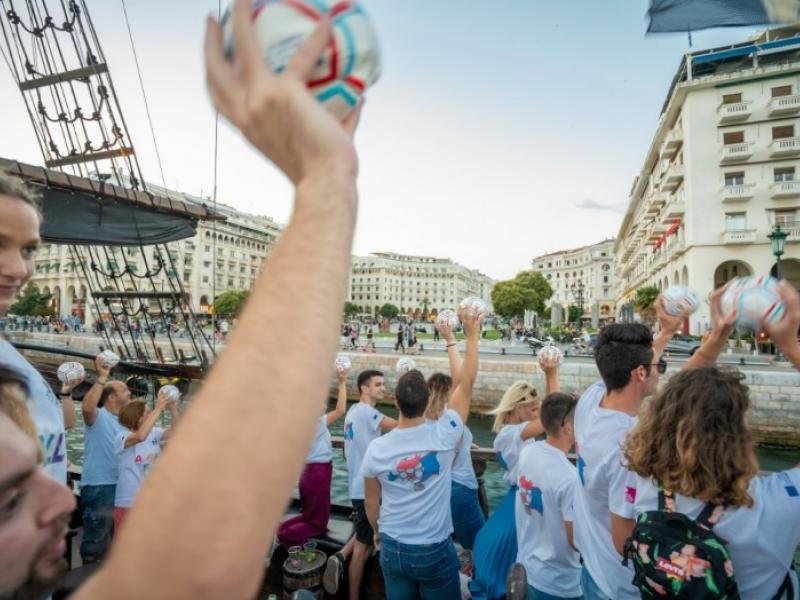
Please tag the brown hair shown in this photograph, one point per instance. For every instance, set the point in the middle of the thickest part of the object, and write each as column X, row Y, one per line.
column 557, row 407
column 13, row 395
column 694, row 440
column 439, row 386
column 14, row 187
column 131, row 413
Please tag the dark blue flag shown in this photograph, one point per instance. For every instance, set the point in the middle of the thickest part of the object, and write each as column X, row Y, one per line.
column 691, row 15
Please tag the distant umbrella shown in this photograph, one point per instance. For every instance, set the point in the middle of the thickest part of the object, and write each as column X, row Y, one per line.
column 691, row 15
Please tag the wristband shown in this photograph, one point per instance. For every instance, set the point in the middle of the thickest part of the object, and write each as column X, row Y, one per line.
column 65, row 394
column 453, row 344
column 101, row 382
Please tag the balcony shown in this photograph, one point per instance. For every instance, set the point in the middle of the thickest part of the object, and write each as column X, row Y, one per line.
column 735, row 113
column 674, row 210
column 673, row 141
column 673, row 177
column 737, row 152
column 739, row 236
column 792, row 228
column 785, row 189
column 738, row 193
column 784, row 105
column 785, row 147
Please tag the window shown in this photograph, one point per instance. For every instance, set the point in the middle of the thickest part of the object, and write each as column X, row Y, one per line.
column 208, row 248
column 605, row 278
column 734, row 178
column 732, row 98
column 733, row 137
column 784, row 174
column 782, row 132
column 735, row 221
column 785, row 218
column 606, row 267
column 205, row 278
column 782, row 90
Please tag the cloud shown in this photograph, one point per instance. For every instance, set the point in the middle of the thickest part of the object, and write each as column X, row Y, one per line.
column 589, row 204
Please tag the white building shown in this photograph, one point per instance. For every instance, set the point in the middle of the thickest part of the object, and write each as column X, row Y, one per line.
column 721, row 172
column 222, row 256
column 590, row 268
column 418, row 285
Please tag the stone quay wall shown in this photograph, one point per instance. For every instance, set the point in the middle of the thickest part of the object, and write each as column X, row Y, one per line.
column 775, row 390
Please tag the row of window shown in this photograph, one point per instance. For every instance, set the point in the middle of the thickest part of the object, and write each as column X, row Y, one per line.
column 778, row 174
column 778, row 91
column 779, row 132
column 737, row 221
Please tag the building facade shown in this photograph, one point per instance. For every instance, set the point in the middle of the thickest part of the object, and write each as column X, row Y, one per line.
column 581, row 276
column 720, row 174
column 420, row 286
column 222, row 256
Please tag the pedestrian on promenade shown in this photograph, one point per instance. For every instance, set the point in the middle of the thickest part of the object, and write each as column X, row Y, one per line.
column 399, row 343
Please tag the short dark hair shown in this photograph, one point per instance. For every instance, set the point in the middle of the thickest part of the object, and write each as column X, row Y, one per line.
column 412, row 394
column 620, row 348
column 555, row 410
column 365, row 376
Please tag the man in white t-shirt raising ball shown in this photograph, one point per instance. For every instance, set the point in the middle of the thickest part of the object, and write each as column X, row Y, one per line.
column 407, row 484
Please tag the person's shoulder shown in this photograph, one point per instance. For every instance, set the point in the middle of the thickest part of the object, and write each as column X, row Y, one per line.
column 783, row 485
column 450, row 418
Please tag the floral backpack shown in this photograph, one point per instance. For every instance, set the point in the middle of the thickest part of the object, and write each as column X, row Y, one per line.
column 677, row 557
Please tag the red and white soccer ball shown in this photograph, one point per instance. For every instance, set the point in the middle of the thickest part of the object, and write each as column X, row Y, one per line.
column 109, row 358
column 474, row 304
column 550, row 356
column 350, row 64
column 448, row 317
column 404, row 365
column 342, row 363
column 680, row 301
column 71, row 372
column 754, row 300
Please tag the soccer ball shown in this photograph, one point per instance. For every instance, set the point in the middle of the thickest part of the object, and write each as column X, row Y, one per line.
column 475, row 304
column 171, row 392
column 109, row 358
column 680, row 301
column 550, row 356
column 71, row 372
column 753, row 299
column 404, row 365
column 448, row 317
column 350, row 64
column 342, row 363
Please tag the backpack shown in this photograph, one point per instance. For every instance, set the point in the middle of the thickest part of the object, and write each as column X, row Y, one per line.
column 676, row 557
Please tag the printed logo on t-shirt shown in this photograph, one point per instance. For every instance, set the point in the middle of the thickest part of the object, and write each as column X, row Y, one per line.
column 790, row 488
column 145, row 461
column 348, row 431
column 53, row 445
column 581, row 465
column 630, row 494
column 531, row 496
column 416, row 469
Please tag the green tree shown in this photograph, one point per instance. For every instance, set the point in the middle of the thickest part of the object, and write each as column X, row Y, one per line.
column 351, row 309
column 645, row 301
column 32, row 303
column 389, row 311
column 230, row 303
column 527, row 291
column 573, row 313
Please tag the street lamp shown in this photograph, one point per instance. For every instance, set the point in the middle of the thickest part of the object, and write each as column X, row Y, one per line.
column 778, row 239
column 577, row 290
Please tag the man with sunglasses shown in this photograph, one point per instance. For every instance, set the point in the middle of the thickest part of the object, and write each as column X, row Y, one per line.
column 547, row 483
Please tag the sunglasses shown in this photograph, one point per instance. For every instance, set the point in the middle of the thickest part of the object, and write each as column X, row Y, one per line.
column 661, row 365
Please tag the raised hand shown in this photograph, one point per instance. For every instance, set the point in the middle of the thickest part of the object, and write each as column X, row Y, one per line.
column 471, row 321
column 163, row 398
column 723, row 325
column 103, row 370
column 445, row 330
column 341, row 375
column 670, row 324
column 784, row 332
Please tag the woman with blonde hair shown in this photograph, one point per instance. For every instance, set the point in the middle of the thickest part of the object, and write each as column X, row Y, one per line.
column 516, row 422
column 13, row 399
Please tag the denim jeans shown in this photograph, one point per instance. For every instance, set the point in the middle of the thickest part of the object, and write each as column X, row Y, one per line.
column 429, row 571
column 97, row 504
column 467, row 514
column 589, row 587
column 534, row 594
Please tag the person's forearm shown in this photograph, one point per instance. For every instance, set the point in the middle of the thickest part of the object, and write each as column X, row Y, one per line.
column 455, row 361
column 68, row 407
column 92, row 397
column 462, row 394
column 707, row 354
column 255, row 452
column 341, row 405
column 661, row 341
column 793, row 355
column 552, row 382
column 145, row 428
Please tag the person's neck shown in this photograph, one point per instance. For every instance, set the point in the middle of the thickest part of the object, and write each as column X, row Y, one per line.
column 368, row 400
column 561, row 443
column 627, row 400
column 406, row 423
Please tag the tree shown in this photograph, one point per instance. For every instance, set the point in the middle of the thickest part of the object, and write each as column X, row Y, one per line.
column 230, row 303
column 527, row 291
column 32, row 303
column 645, row 301
column 351, row 309
column 573, row 314
column 389, row 311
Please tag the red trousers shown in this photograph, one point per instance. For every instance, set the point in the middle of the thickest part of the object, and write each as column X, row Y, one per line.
column 315, row 506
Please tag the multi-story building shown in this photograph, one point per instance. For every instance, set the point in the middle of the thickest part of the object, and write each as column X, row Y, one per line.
column 582, row 275
column 418, row 285
column 720, row 174
column 222, row 256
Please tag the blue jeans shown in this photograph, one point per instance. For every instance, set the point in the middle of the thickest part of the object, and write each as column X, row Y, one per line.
column 467, row 514
column 97, row 504
column 430, row 571
column 589, row 587
column 534, row 594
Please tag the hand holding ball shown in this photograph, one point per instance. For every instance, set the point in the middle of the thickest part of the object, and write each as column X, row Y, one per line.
column 474, row 304
column 550, row 357
column 342, row 364
column 171, row 392
column 404, row 365
column 680, row 301
column 71, row 373
column 109, row 358
column 754, row 300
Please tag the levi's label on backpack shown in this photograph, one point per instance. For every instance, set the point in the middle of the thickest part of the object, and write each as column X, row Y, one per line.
column 676, row 557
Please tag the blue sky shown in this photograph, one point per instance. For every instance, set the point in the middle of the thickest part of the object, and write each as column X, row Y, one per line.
column 499, row 131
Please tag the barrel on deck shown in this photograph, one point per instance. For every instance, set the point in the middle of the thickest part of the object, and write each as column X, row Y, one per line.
column 304, row 574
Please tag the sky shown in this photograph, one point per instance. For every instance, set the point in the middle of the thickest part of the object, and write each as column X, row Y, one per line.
column 498, row 131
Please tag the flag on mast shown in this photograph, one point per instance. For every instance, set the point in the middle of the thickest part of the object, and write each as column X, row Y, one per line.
column 691, row 15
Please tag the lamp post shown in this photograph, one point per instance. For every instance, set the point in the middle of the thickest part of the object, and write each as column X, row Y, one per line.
column 577, row 290
column 778, row 239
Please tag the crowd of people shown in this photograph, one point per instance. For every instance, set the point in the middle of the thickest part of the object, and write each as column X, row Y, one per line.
column 48, row 324
column 206, row 516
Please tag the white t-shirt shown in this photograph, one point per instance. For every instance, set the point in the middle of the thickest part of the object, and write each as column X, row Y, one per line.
column 362, row 424
column 607, row 487
column 463, row 472
column 414, row 468
column 45, row 410
column 547, row 483
column 321, row 450
column 507, row 445
column 134, row 463
column 762, row 540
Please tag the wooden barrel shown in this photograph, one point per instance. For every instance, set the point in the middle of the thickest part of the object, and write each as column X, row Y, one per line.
column 306, row 575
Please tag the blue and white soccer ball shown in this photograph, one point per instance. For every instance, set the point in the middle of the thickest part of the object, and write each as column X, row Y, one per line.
column 342, row 363
column 755, row 300
column 680, row 301
column 351, row 63
column 109, row 358
column 71, row 372
column 172, row 392
column 404, row 365
column 448, row 317
column 475, row 304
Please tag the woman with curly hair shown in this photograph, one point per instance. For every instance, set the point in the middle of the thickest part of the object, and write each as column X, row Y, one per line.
column 694, row 440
